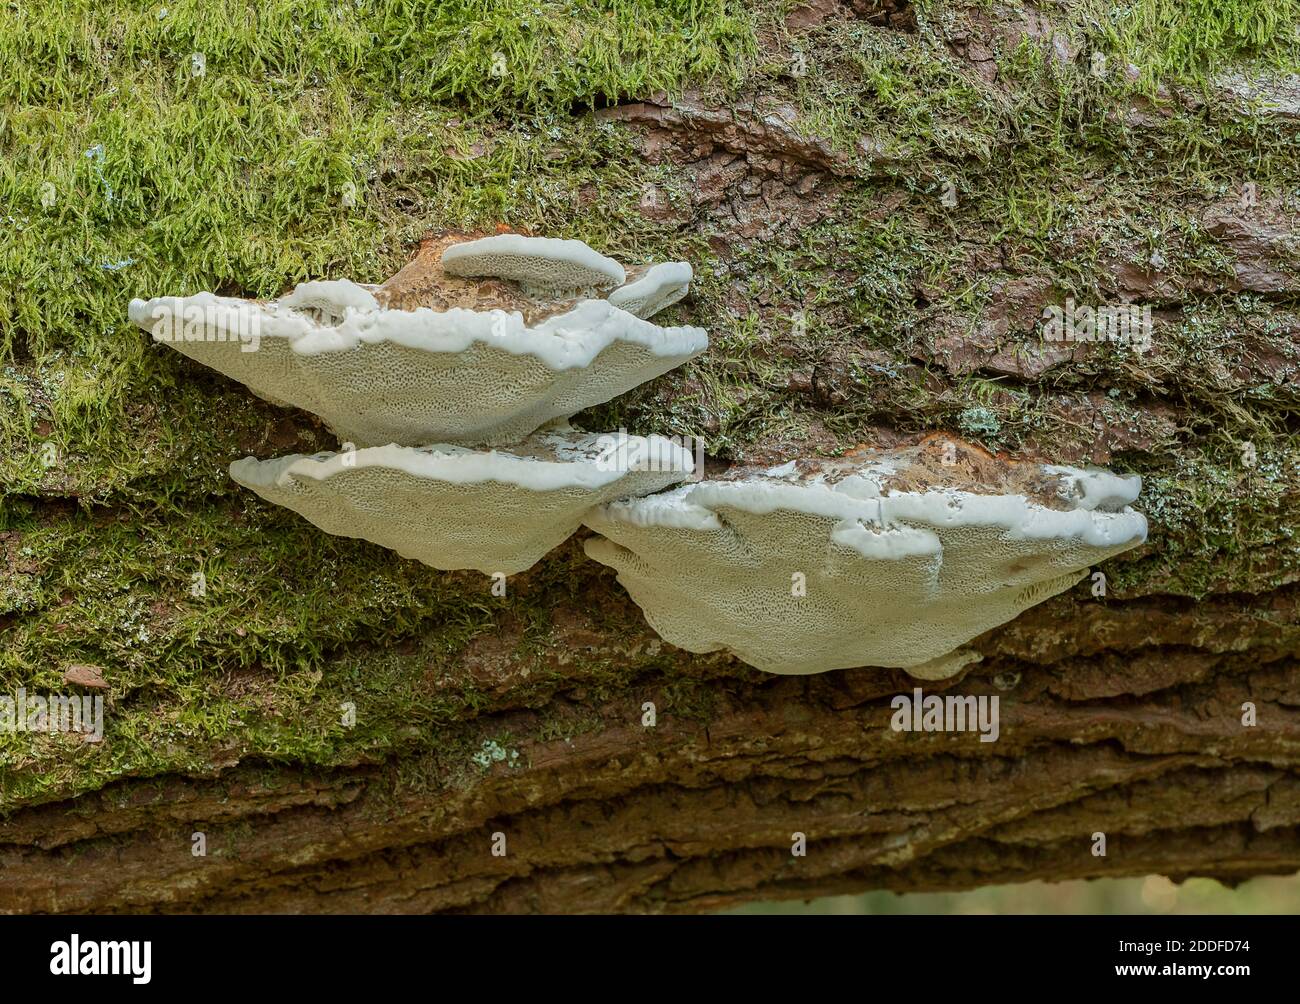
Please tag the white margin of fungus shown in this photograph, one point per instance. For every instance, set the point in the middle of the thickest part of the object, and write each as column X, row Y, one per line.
column 445, row 462
column 565, row 341
column 458, row 259
column 661, row 286
column 885, row 527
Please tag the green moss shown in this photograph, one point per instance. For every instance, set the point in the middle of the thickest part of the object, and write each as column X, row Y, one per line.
column 1226, row 519
column 1192, row 38
column 235, row 178
column 234, row 181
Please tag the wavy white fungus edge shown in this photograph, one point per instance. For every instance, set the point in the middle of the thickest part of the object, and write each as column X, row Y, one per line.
column 333, row 296
column 472, row 258
column 565, row 341
column 1095, row 488
column 881, row 527
column 580, row 465
column 908, row 527
column 494, row 511
column 661, row 286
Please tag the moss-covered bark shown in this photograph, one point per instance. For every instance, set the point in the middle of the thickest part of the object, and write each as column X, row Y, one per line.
column 879, row 200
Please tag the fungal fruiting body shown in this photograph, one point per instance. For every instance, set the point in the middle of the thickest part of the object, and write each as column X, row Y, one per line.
column 452, row 507
column 540, row 263
column 881, row 559
column 434, row 356
column 653, row 289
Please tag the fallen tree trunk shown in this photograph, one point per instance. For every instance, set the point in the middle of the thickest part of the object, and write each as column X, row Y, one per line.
column 1116, row 718
column 874, row 272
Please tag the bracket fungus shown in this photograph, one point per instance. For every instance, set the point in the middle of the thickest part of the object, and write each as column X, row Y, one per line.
column 653, row 289
column 892, row 559
column 452, row 507
column 436, row 356
column 536, row 263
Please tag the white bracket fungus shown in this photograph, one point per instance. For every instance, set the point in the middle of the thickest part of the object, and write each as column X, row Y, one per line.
column 538, row 263
column 656, row 288
column 432, row 357
column 893, row 559
column 452, row 507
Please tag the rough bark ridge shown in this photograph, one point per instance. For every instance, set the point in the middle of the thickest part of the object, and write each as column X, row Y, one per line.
column 1123, row 718
column 849, row 302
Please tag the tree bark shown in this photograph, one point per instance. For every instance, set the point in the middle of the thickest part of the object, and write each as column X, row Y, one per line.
column 1164, row 714
column 1122, row 718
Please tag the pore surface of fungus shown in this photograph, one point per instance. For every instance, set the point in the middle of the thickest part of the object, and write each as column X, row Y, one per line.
column 879, row 559
column 428, row 356
column 452, row 507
